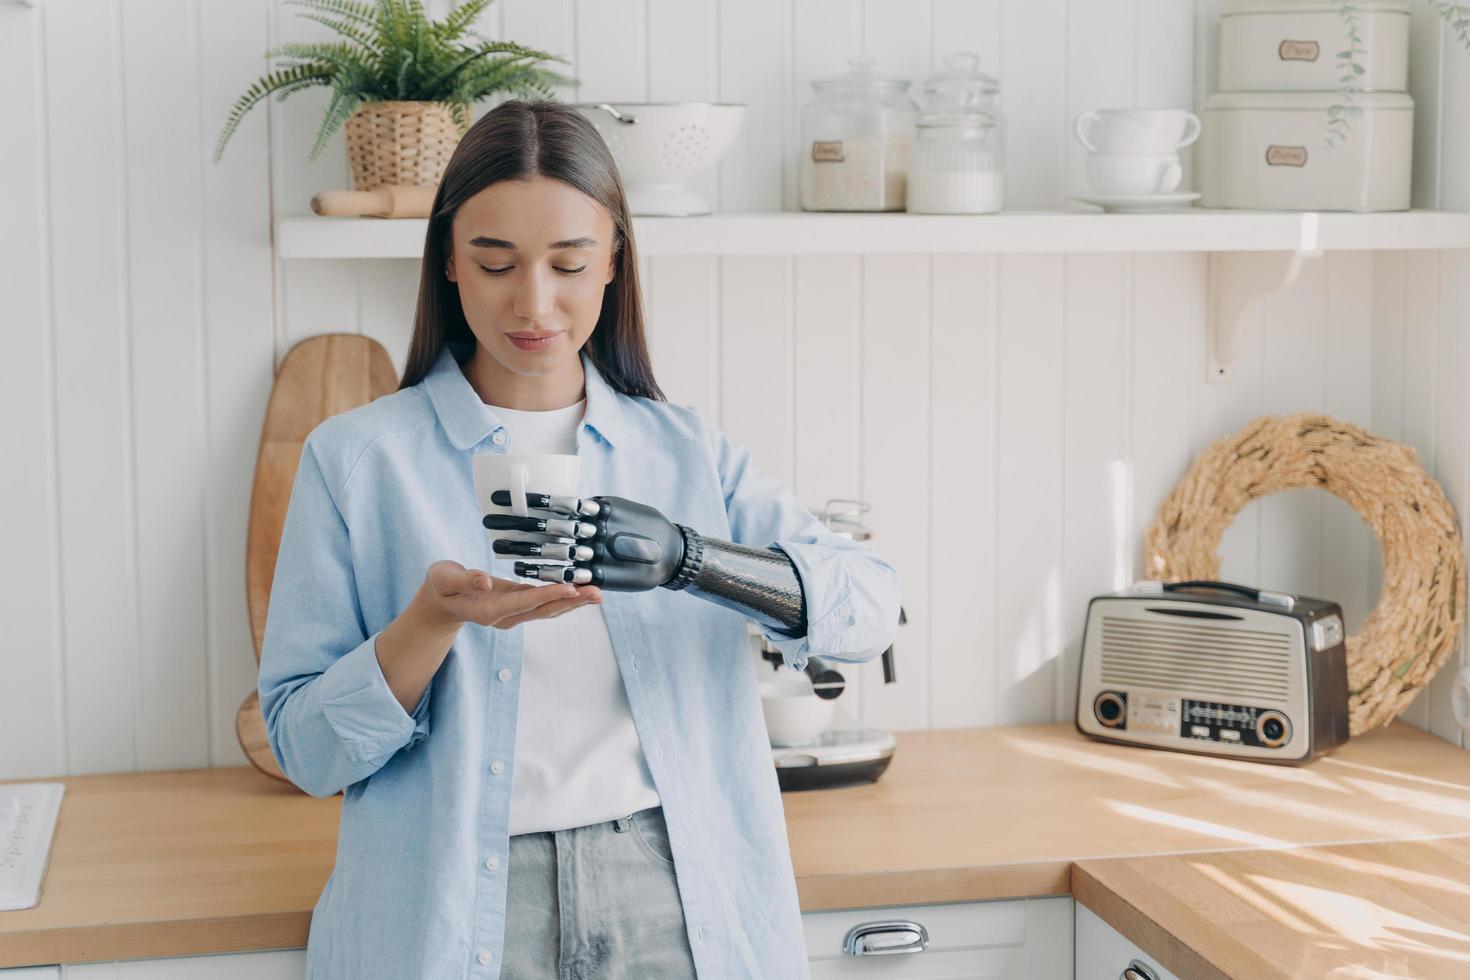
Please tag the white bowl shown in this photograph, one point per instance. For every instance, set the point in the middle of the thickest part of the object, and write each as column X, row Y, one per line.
column 665, row 145
column 794, row 713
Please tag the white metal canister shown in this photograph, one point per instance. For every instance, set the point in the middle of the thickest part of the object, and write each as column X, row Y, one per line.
column 1269, row 150
column 1296, row 45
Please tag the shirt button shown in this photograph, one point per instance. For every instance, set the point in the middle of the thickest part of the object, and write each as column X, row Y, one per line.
column 499, row 437
column 497, row 767
column 484, row 956
column 492, row 862
column 504, row 674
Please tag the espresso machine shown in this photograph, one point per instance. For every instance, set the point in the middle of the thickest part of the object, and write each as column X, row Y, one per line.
column 838, row 756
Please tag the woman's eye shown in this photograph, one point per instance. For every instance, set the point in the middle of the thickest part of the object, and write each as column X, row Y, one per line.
column 505, row 269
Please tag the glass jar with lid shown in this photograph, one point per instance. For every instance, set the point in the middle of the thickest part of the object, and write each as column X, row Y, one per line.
column 856, row 132
column 957, row 165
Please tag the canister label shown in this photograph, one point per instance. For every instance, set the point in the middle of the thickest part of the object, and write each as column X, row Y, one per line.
column 1286, row 156
column 1298, row 50
column 827, row 151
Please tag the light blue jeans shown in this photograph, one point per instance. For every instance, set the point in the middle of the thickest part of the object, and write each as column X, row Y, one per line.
column 598, row 902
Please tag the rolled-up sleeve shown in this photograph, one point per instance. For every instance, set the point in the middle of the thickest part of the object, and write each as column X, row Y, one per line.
column 331, row 718
column 851, row 594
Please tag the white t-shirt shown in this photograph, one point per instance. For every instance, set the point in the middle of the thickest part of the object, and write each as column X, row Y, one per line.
column 578, row 759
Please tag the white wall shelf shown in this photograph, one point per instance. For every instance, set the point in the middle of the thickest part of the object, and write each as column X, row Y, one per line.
column 793, row 232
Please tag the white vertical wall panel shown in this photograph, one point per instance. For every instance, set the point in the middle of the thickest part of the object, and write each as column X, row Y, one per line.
column 756, row 356
column 827, row 329
column 164, row 239
column 1100, row 71
column 1164, row 33
column 683, row 314
column 1452, row 456
column 896, row 453
column 1168, row 359
column 1224, row 409
column 1034, row 89
column 612, row 49
column 754, row 53
column 33, row 698
column 96, row 462
column 1292, row 331
column 1098, row 530
column 964, row 371
column 683, row 65
column 1029, row 618
column 1348, row 551
column 237, row 307
column 1421, row 340
column 317, row 297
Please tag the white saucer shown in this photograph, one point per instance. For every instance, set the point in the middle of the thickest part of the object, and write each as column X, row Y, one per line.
column 1139, row 202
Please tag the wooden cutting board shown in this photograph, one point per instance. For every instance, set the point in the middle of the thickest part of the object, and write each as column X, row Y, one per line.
column 320, row 377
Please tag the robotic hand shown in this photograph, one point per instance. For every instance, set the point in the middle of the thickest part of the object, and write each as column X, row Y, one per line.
column 624, row 546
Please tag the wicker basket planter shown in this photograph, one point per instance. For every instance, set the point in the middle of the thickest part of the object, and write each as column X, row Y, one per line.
column 403, row 142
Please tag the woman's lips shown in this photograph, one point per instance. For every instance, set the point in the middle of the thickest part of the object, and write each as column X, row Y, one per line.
column 532, row 341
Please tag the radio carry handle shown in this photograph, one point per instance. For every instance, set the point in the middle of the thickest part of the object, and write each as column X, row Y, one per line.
column 1283, row 599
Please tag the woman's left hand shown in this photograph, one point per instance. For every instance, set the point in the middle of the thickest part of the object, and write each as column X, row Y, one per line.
column 614, row 543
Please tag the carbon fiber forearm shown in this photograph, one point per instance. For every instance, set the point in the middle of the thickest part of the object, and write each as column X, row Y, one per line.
column 760, row 583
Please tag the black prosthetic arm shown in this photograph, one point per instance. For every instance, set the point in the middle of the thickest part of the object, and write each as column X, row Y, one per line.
column 624, row 546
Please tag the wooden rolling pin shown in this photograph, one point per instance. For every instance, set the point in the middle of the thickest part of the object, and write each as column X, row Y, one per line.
column 388, row 201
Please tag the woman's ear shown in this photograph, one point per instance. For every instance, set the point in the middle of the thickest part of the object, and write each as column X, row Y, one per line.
column 449, row 269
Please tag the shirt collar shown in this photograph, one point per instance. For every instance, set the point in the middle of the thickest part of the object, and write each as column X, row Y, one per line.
column 467, row 420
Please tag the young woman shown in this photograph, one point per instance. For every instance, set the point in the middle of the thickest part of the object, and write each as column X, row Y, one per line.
column 546, row 779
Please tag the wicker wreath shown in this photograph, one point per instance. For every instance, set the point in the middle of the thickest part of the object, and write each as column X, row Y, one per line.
column 1418, row 618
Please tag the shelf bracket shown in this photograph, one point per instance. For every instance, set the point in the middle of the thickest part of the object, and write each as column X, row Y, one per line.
column 1239, row 282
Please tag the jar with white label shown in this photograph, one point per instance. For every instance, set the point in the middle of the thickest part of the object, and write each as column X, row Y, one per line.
column 957, row 165
column 856, row 133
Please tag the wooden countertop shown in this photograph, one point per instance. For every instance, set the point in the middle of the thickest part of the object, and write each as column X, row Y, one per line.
column 1398, row 909
column 219, row 860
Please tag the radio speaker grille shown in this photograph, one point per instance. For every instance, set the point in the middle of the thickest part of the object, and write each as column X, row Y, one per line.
column 1205, row 661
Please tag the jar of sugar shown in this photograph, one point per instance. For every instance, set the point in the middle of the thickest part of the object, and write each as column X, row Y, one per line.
column 856, row 134
column 957, row 164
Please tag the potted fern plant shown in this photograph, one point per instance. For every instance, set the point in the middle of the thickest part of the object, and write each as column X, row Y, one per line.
column 401, row 83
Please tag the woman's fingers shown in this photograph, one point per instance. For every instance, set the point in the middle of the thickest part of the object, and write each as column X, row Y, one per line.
column 526, row 600
column 554, row 609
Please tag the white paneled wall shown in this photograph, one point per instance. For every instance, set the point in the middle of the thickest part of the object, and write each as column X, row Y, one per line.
column 1013, row 419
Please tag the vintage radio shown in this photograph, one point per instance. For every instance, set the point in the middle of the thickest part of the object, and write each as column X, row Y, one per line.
column 1217, row 669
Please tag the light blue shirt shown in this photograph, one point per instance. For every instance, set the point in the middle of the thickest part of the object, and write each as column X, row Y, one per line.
column 419, row 887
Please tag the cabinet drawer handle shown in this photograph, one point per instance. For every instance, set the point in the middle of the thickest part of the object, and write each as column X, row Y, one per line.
column 1137, row 971
column 883, row 938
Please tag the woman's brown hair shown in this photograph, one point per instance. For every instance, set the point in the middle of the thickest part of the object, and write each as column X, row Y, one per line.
column 515, row 141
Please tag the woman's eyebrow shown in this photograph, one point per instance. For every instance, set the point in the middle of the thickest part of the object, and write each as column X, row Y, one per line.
column 483, row 241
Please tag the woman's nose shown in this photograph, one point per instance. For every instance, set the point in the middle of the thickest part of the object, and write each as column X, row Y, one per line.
column 534, row 296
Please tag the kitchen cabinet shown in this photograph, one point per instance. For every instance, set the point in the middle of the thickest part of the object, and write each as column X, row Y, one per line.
column 275, row 964
column 1103, row 953
column 1029, row 937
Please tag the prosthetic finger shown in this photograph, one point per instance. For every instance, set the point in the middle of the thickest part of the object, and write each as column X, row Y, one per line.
column 547, row 501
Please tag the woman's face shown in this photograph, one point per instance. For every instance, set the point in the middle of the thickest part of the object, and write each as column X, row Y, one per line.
column 531, row 258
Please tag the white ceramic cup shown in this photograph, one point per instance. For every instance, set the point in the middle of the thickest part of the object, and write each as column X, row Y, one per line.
column 1142, row 131
column 794, row 713
column 523, row 473
column 1131, row 174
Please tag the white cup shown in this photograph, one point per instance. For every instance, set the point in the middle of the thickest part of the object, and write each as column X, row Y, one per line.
column 1142, row 131
column 1130, row 174
column 523, row 473
column 794, row 713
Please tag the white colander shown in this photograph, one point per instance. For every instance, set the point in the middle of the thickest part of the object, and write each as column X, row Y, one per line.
column 660, row 145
